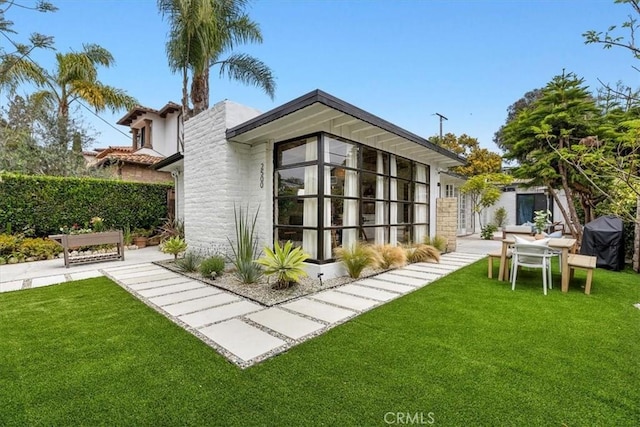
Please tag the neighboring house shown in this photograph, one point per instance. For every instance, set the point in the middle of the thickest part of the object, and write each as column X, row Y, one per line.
column 323, row 173
column 520, row 202
column 155, row 134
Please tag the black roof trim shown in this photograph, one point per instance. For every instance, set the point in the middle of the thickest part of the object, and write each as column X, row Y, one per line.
column 342, row 106
column 167, row 161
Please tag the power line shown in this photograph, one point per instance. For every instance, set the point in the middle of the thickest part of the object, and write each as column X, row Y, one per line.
column 105, row 121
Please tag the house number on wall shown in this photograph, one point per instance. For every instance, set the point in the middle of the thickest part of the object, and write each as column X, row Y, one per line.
column 261, row 175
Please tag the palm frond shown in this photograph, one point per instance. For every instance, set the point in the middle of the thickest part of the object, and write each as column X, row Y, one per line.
column 248, row 70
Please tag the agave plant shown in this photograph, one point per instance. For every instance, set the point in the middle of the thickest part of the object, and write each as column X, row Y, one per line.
column 356, row 258
column 285, row 262
column 245, row 248
column 174, row 246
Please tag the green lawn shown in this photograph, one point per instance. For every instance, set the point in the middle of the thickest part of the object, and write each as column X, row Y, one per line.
column 463, row 351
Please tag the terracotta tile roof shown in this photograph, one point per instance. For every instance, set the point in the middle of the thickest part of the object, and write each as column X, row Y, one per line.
column 141, row 159
column 124, row 154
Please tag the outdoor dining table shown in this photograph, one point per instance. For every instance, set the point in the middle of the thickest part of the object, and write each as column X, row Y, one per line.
column 565, row 245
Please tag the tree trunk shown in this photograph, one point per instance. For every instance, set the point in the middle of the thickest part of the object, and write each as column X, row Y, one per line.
column 636, row 240
column 563, row 211
column 186, row 111
column 200, row 92
column 574, row 224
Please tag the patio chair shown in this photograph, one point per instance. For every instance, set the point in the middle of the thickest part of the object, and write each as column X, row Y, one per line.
column 532, row 255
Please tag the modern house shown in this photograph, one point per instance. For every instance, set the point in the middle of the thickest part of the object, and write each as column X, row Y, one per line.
column 321, row 172
column 155, row 134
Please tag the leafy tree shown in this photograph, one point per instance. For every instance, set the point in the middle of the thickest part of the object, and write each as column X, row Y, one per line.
column 513, row 111
column 29, row 144
column 10, row 61
column 563, row 115
column 484, row 191
column 479, row 160
column 75, row 77
column 629, row 143
column 201, row 32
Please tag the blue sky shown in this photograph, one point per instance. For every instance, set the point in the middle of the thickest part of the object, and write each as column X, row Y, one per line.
column 401, row 60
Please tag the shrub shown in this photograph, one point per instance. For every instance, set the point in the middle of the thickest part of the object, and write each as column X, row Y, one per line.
column 390, row 256
column 48, row 202
column 422, row 253
column 212, row 266
column 285, row 262
column 39, row 248
column 487, row 231
column 438, row 242
column 189, row 263
column 172, row 227
column 174, row 246
column 8, row 244
column 245, row 248
column 500, row 217
column 357, row 258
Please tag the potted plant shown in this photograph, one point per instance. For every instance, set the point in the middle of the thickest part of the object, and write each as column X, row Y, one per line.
column 140, row 236
column 541, row 220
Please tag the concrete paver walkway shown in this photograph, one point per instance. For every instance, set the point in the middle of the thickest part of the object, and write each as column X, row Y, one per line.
column 242, row 330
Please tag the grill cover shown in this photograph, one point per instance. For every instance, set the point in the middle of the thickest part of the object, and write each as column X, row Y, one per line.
column 603, row 238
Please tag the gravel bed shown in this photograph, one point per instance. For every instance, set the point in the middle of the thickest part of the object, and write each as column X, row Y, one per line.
column 262, row 291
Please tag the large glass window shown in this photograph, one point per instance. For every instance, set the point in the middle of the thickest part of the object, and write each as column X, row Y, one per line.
column 367, row 195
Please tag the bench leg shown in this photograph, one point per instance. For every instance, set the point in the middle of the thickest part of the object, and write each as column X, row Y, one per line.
column 587, row 287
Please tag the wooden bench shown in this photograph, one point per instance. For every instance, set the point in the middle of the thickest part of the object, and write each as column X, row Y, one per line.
column 496, row 255
column 70, row 241
column 582, row 262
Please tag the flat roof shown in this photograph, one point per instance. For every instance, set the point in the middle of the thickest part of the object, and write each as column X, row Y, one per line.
column 328, row 102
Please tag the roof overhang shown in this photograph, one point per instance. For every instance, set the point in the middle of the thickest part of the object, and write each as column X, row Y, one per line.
column 168, row 164
column 137, row 111
column 319, row 111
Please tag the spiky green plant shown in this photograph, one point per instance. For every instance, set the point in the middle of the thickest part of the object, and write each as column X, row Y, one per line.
column 356, row 258
column 422, row 253
column 189, row 262
column 174, row 246
column 285, row 262
column 390, row 256
column 245, row 248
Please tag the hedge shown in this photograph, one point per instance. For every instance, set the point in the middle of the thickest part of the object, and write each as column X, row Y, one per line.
column 46, row 203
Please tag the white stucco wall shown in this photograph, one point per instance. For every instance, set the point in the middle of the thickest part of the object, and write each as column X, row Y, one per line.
column 508, row 201
column 164, row 132
column 219, row 174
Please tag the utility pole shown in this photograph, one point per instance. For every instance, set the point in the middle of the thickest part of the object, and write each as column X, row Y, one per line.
column 441, row 118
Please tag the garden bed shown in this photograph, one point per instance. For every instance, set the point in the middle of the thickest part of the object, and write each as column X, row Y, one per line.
column 262, row 292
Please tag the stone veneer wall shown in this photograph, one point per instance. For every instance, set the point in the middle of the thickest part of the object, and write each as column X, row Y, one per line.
column 447, row 220
column 219, row 174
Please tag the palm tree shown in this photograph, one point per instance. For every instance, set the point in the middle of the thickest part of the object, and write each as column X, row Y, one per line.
column 74, row 78
column 201, row 32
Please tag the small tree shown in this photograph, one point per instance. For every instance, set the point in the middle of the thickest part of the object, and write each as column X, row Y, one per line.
column 484, row 191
